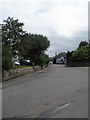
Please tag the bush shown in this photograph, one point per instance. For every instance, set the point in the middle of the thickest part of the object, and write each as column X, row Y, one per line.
column 6, row 58
column 79, row 57
column 81, row 54
column 44, row 60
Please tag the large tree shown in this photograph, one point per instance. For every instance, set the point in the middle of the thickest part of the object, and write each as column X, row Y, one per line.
column 12, row 31
column 38, row 45
column 27, row 45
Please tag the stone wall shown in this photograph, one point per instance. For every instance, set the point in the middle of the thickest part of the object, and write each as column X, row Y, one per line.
column 13, row 73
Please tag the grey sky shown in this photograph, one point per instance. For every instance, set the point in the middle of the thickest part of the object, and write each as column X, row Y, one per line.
column 64, row 22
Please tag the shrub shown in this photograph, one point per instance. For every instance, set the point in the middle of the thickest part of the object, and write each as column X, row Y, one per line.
column 6, row 58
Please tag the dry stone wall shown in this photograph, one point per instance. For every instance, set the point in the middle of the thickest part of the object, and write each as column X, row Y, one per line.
column 13, row 73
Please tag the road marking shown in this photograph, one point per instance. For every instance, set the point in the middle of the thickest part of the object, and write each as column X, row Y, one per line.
column 53, row 111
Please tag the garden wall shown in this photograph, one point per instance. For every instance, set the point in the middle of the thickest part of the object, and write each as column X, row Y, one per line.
column 13, row 73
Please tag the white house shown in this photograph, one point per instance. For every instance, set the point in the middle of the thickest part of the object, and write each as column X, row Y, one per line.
column 61, row 60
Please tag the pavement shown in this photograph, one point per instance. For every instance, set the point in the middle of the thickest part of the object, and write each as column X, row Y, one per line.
column 55, row 92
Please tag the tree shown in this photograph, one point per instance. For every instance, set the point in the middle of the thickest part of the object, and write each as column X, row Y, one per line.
column 22, row 43
column 82, row 43
column 38, row 45
column 69, row 56
column 25, row 45
column 81, row 54
column 12, row 32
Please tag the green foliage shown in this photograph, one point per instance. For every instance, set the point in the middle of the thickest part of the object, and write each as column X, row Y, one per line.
column 44, row 60
column 6, row 58
column 82, row 43
column 38, row 45
column 69, row 56
column 80, row 56
column 61, row 54
column 27, row 45
column 24, row 45
column 88, row 52
column 12, row 32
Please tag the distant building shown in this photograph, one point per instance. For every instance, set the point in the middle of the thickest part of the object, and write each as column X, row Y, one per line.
column 61, row 60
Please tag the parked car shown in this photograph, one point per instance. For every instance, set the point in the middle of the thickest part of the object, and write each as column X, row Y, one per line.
column 17, row 63
column 28, row 61
column 25, row 62
column 15, row 60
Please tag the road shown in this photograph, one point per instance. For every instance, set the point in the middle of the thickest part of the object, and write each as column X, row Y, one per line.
column 0, row 100
column 55, row 92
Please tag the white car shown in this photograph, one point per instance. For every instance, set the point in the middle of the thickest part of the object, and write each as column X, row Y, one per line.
column 50, row 62
column 28, row 61
column 17, row 63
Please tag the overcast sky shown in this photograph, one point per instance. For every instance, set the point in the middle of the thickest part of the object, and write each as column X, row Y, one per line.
column 64, row 22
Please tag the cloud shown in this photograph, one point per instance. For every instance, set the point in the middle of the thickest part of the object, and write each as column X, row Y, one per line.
column 62, row 44
column 65, row 23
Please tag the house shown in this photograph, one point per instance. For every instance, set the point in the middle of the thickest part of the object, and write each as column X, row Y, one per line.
column 61, row 60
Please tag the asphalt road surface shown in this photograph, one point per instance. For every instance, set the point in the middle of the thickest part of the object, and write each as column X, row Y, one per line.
column 0, row 100
column 55, row 92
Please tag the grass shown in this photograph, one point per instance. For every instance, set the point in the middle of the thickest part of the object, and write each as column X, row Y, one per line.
column 21, row 66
